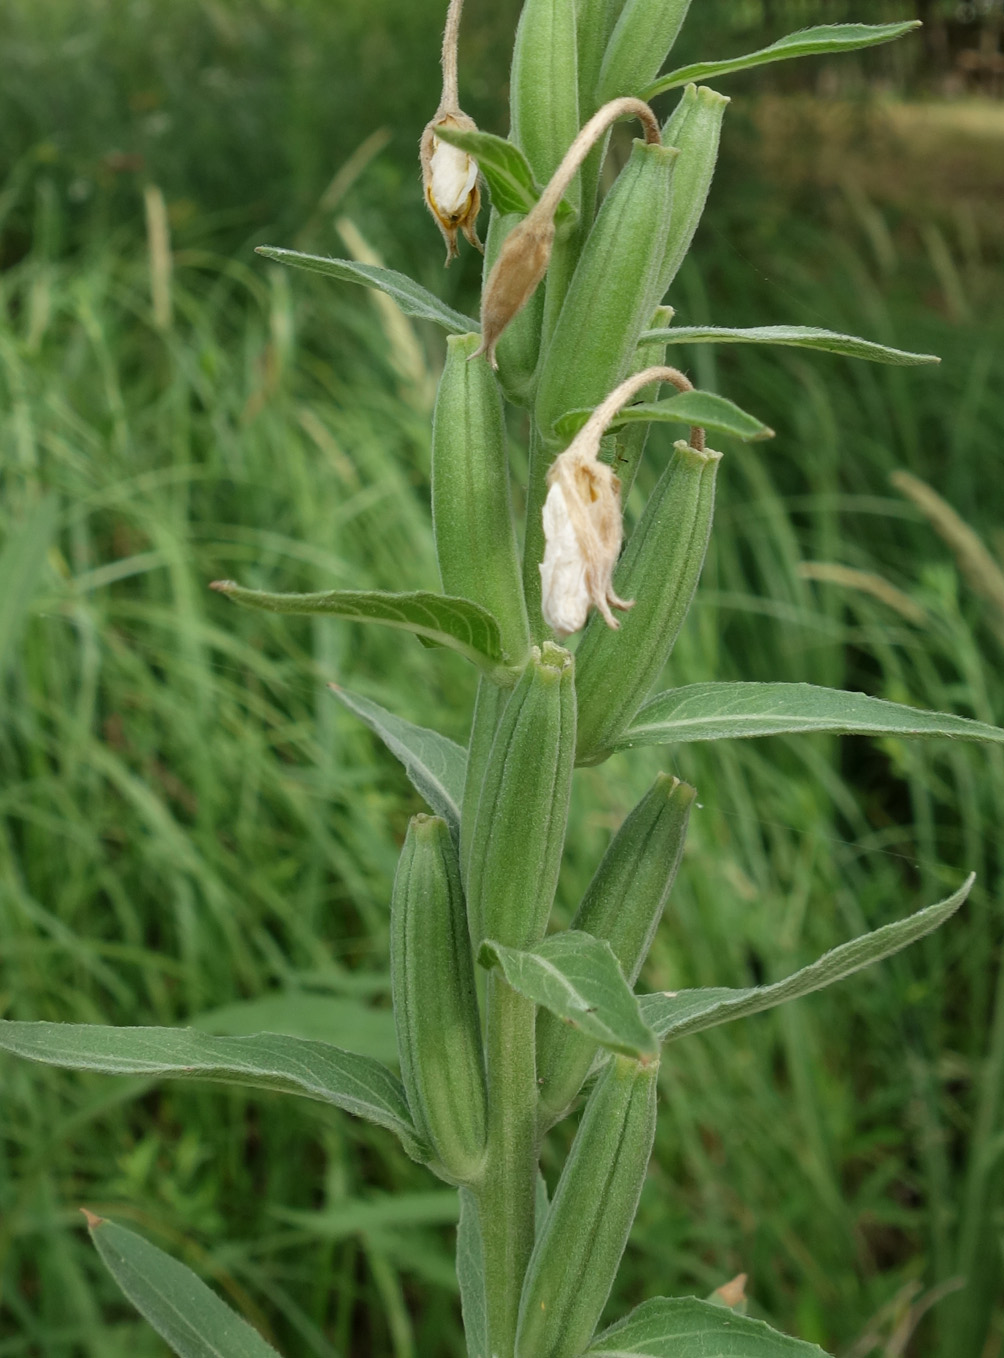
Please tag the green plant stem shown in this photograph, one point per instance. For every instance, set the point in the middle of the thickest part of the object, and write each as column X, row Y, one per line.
column 506, row 1199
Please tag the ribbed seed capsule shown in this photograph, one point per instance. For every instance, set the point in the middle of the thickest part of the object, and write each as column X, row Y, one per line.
column 695, row 129
column 518, row 347
column 471, row 508
column 575, row 1259
column 519, row 826
column 488, row 708
column 594, row 23
column 659, row 569
column 623, row 904
column 639, row 44
column 543, row 86
column 435, row 1003
column 613, row 290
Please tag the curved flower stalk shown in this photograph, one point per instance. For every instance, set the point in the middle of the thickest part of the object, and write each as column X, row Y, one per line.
column 583, row 528
column 450, row 177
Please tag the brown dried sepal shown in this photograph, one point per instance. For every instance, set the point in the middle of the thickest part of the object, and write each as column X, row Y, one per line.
column 451, row 182
column 522, row 263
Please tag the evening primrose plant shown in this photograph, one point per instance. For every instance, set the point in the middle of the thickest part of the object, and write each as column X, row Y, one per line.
column 505, row 1026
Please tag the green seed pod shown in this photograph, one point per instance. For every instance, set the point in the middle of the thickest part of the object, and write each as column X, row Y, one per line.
column 543, row 86
column 695, row 129
column 623, row 904
column 519, row 826
column 435, row 1003
column 613, row 290
column 518, row 347
column 471, row 508
column 594, row 23
column 488, row 708
column 575, row 1259
column 629, row 442
column 639, row 44
column 659, row 571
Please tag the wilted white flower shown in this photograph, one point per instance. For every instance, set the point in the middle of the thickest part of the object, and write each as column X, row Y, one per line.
column 450, row 180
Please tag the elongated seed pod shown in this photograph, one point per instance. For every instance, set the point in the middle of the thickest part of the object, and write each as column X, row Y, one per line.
column 659, row 571
column 544, row 85
column 471, row 507
column 519, row 826
column 594, row 23
column 435, row 1003
column 488, row 708
column 518, row 347
column 575, row 1259
column 623, row 904
column 695, row 129
column 639, row 44
column 613, row 290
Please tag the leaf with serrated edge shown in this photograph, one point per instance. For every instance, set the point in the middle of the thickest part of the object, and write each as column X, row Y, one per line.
column 289, row 1065
column 702, row 408
column 459, row 624
column 823, row 40
column 728, row 711
column 411, row 297
column 683, row 1327
column 578, row 978
column 798, row 336
column 173, row 1299
column 691, row 1011
column 436, row 765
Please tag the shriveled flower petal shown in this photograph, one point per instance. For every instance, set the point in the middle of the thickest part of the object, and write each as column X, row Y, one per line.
column 564, row 597
column 453, row 175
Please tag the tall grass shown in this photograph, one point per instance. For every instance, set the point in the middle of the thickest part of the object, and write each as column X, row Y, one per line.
column 191, row 830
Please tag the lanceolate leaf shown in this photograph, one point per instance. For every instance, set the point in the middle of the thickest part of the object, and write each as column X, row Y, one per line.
column 690, row 1011
column 689, row 407
column 471, row 1276
column 289, row 1065
column 728, row 711
column 683, row 1327
column 411, row 297
column 824, row 40
column 798, row 336
column 505, row 167
column 460, row 624
column 175, row 1301
column 577, row 977
column 435, row 764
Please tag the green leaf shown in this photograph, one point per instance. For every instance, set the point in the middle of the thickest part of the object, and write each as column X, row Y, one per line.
column 823, row 40
column 798, row 336
column 502, row 164
column 683, row 1327
column 471, row 1276
column 691, row 1011
column 729, row 711
column 176, row 1302
column 288, row 1065
column 577, row 977
column 689, row 407
column 461, row 625
column 411, row 297
column 436, row 765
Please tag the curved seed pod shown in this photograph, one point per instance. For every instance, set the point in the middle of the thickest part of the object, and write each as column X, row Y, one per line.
column 519, row 826
column 575, row 1259
column 471, row 508
column 623, row 904
column 435, row 1003
column 518, row 347
column 695, row 129
column 543, row 86
column 639, row 44
column 613, row 290
column 659, row 571
column 629, row 443
column 488, row 708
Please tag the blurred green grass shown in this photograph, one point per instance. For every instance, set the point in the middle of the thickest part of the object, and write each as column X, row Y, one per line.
column 191, row 829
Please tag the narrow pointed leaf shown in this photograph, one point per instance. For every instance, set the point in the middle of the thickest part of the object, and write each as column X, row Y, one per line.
column 289, row 1065
column 690, row 1011
column 175, row 1301
column 798, row 336
column 411, row 297
column 577, row 977
column 435, row 764
column 823, row 40
column 461, row 625
column 505, row 167
column 471, row 1276
column 683, row 1327
column 689, row 407
column 730, row 711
